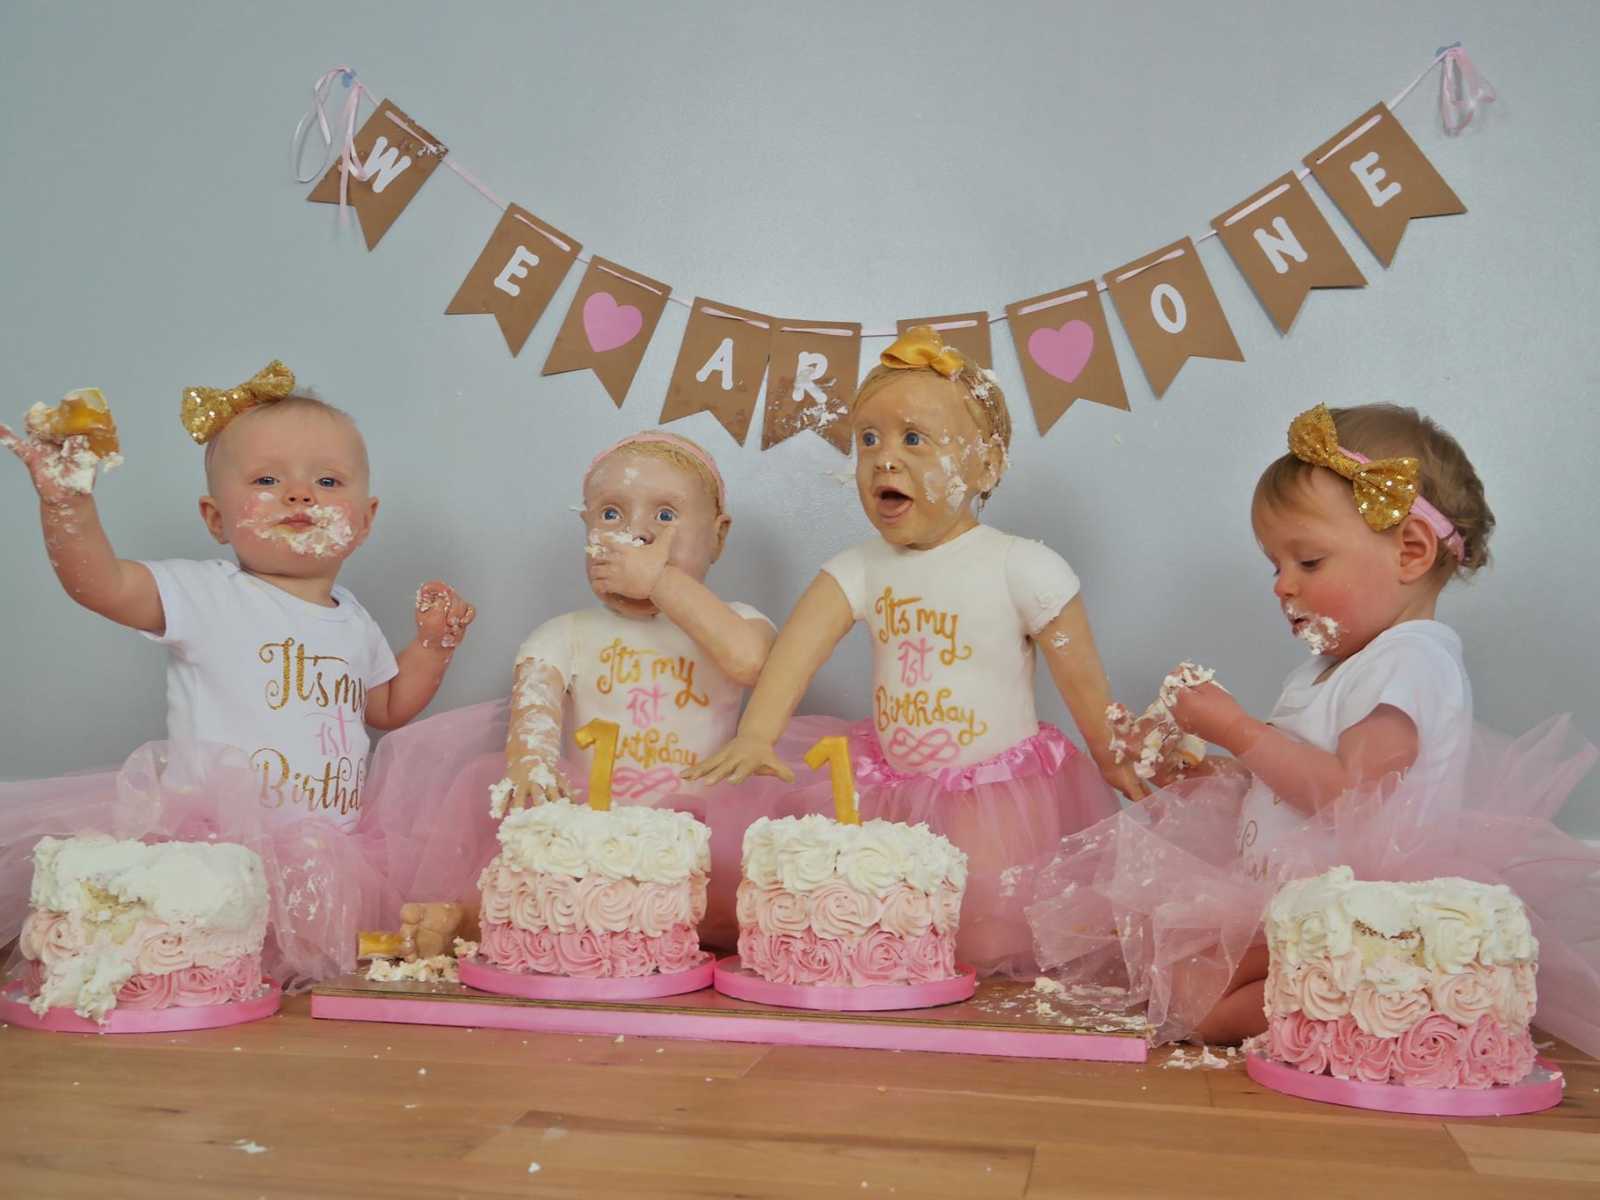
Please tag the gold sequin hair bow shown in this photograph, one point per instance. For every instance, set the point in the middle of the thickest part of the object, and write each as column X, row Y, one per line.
column 1385, row 488
column 921, row 346
column 207, row 411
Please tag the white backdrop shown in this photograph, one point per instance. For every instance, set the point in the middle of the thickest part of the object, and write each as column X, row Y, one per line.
column 829, row 160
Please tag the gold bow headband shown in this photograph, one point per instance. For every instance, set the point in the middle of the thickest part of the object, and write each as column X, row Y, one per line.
column 1385, row 488
column 207, row 411
column 921, row 346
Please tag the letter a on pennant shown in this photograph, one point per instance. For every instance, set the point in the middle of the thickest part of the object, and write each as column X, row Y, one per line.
column 812, row 381
column 396, row 156
column 1380, row 180
column 517, row 272
column 720, row 365
column 1284, row 247
column 1171, row 313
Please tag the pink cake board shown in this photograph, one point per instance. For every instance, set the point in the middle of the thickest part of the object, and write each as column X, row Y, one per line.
column 14, row 1011
column 478, row 974
column 999, row 1020
column 1541, row 1089
column 733, row 980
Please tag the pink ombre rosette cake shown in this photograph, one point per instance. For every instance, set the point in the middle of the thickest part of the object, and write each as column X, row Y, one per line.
column 125, row 925
column 831, row 904
column 1423, row 985
column 595, row 894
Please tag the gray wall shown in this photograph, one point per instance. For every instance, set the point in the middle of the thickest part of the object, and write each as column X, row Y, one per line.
column 928, row 158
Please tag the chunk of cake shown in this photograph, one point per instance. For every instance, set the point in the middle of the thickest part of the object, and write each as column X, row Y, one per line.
column 1421, row 984
column 576, row 891
column 849, row 905
column 125, row 924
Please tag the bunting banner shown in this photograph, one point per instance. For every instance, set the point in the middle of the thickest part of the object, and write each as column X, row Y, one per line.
column 1064, row 346
column 1380, row 180
column 611, row 321
column 720, row 365
column 812, row 381
column 1283, row 247
column 1278, row 239
column 392, row 157
column 1170, row 313
column 516, row 275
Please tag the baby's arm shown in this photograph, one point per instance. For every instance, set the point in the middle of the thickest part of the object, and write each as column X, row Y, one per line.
column 738, row 645
column 533, row 738
column 442, row 620
column 84, row 562
column 819, row 621
column 1302, row 775
column 1068, row 646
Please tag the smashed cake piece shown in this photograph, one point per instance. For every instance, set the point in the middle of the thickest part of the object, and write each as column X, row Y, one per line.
column 81, row 413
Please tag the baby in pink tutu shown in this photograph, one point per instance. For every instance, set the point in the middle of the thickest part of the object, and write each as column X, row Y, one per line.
column 663, row 657
column 1369, row 758
column 274, row 670
column 957, row 611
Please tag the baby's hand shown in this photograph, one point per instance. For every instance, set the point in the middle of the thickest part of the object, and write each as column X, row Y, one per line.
column 629, row 569
column 1207, row 711
column 529, row 780
column 738, row 760
column 60, row 471
column 442, row 615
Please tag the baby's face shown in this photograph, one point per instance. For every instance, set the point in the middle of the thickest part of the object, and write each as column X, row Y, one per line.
column 289, row 491
column 1327, row 562
column 921, row 460
column 632, row 496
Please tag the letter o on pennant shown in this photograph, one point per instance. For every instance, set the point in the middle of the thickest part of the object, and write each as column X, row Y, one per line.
column 1168, row 308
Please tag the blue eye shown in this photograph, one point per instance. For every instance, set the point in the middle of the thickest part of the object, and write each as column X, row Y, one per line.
column 610, row 513
column 869, row 439
column 263, row 481
column 666, row 514
column 913, row 438
column 327, row 481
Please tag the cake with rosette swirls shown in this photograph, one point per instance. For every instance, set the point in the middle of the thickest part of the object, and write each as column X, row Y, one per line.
column 124, row 924
column 1419, row 984
column 833, row 904
column 595, row 894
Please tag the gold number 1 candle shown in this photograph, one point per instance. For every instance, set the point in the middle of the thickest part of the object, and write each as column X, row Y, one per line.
column 835, row 752
column 602, row 735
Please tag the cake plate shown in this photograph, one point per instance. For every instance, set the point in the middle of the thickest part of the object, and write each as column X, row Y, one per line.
column 1539, row 1089
column 478, row 974
column 732, row 979
column 15, row 1011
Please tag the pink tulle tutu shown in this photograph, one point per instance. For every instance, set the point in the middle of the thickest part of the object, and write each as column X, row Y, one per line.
column 324, row 883
column 1008, row 813
column 1157, row 901
column 435, row 776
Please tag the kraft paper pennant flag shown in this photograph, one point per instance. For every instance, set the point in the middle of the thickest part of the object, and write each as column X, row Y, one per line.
column 396, row 156
column 1284, row 247
column 1064, row 346
column 611, row 321
column 812, row 381
column 518, row 271
column 1170, row 312
column 967, row 332
column 720, row 365
column 1380, row 180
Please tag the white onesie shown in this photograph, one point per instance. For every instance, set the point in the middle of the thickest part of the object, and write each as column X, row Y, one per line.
column 1416, row 667
column 672, row 702
column 952, row 648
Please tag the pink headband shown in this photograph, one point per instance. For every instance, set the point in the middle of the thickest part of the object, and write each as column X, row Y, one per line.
column 1442, row 527
column 659, row 438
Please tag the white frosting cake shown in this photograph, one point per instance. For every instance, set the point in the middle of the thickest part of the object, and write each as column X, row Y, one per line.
column 151, row 925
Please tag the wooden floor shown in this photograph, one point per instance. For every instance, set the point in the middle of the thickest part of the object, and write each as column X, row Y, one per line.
column 290, row 1107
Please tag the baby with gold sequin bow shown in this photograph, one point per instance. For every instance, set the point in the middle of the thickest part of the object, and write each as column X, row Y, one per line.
column 269, row 655
column 957, row 612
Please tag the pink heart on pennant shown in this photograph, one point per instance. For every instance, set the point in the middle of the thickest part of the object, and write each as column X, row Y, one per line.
column 1062, row 352
column 608, row 324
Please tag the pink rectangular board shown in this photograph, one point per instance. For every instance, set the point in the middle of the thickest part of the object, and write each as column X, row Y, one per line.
column 1004, row 1019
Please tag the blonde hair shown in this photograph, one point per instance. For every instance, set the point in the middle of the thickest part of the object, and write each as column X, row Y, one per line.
column 681, row 459
column 980, row 392
column 1447, row 477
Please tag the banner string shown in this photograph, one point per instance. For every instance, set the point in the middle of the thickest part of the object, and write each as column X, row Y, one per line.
column 1461, row 92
